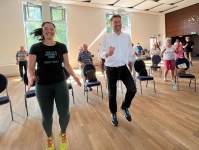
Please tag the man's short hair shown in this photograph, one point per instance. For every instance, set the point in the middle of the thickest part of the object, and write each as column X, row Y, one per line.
column 115, row 16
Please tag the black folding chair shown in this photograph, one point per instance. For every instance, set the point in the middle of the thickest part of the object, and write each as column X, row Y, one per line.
column 87, row 84
column 27, row 94
column 183, row 62
column 70, row 87
column 140, row 65
column 3, row 87
column 156, row 59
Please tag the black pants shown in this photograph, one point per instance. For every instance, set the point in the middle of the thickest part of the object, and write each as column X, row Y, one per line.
column 123, row 73
column 21, row 65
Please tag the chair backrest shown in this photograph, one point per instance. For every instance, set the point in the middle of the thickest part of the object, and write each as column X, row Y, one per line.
column 156, row 59
column 3, row 83
column 140, row 67
column 25, row 79
column 89, row 72
column 88, row 67
column 67, row 75
column 182, row 63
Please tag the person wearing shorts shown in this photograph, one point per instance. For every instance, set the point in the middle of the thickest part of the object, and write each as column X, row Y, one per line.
column 168, row 56
column 188, row 49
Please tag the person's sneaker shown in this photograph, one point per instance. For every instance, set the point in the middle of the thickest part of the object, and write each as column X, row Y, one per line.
column 50, row 145
column 90, row 89
column 114, row 119
column 63, row 141
column 127, row 114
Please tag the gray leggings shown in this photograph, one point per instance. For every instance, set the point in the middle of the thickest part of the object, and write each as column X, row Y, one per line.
column 46, row 95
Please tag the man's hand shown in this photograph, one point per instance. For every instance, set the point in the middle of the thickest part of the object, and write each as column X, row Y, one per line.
column 110, row 52
column 82, row 64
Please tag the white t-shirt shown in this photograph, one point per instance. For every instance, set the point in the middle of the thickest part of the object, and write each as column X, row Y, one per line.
column 132, row 57
column 154, row 52
column 169, row 52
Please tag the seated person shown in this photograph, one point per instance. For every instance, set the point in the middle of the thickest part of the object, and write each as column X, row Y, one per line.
column 84, row 58
column 145, row 54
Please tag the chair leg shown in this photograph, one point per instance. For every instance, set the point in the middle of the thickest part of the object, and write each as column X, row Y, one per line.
column 121, row 86
column 160, row 72
column 101, row 91
column 73, row 96
column 149, row 71
column 84, row 90
column 190, row 82
column 195, row 85
column 177, row 83
column 26, row 106
column 11, row 111
column 146, row 83
column 106, row 84
column 154, row 86
column 86, row 93
column 97, row 89
column 141, row 87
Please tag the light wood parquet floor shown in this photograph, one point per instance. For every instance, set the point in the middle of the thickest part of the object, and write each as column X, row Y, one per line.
column 166, row 120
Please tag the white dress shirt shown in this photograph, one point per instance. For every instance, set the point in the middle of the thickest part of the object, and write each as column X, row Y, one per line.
column 123, row 49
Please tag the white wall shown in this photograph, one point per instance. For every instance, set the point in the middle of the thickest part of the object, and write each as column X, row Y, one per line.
column 11, row 34
column 145, row 26
column 85, row 24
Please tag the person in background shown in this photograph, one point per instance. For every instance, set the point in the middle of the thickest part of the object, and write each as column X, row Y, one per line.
column 138, row 50
column 180, row 49
column 158, row 45
column 84, row 58
column 132, row 59
column 79, row 51
column 154, row 50
column 145, row 54
column 116, row 47
column 188, row 49
column 51, row 86
column 168, row 56
column 21, row 60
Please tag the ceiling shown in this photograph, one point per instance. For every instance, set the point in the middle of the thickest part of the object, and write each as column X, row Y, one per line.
column 144, row 6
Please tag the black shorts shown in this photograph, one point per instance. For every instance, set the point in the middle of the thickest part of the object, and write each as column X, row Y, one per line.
column 189, row 51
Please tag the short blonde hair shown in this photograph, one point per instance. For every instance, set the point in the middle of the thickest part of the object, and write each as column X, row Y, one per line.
column 168, row 39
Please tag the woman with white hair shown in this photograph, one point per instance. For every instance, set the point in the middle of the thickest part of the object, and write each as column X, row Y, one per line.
column 168, row 56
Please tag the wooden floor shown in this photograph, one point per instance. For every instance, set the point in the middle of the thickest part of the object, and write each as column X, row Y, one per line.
column 166, row 120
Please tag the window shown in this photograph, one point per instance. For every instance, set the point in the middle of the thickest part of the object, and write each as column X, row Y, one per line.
column 59, row 19
column 32, row 21
column 125, row 23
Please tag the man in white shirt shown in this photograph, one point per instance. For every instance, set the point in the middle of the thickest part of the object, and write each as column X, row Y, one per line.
column 116, row 49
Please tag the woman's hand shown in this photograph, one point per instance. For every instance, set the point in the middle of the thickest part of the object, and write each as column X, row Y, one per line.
column 30, row 82
column 77, row 80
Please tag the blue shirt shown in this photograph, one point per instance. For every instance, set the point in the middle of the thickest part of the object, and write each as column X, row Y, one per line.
column 138, row 49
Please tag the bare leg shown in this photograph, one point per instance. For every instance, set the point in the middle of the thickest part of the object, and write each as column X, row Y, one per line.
column 185, row 55
column 190, row 57
column 165, row 74
column 172, row 74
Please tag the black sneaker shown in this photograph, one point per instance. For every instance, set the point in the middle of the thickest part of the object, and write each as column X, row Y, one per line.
column 90, row 89
column 114, row 119
column 127, row 114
